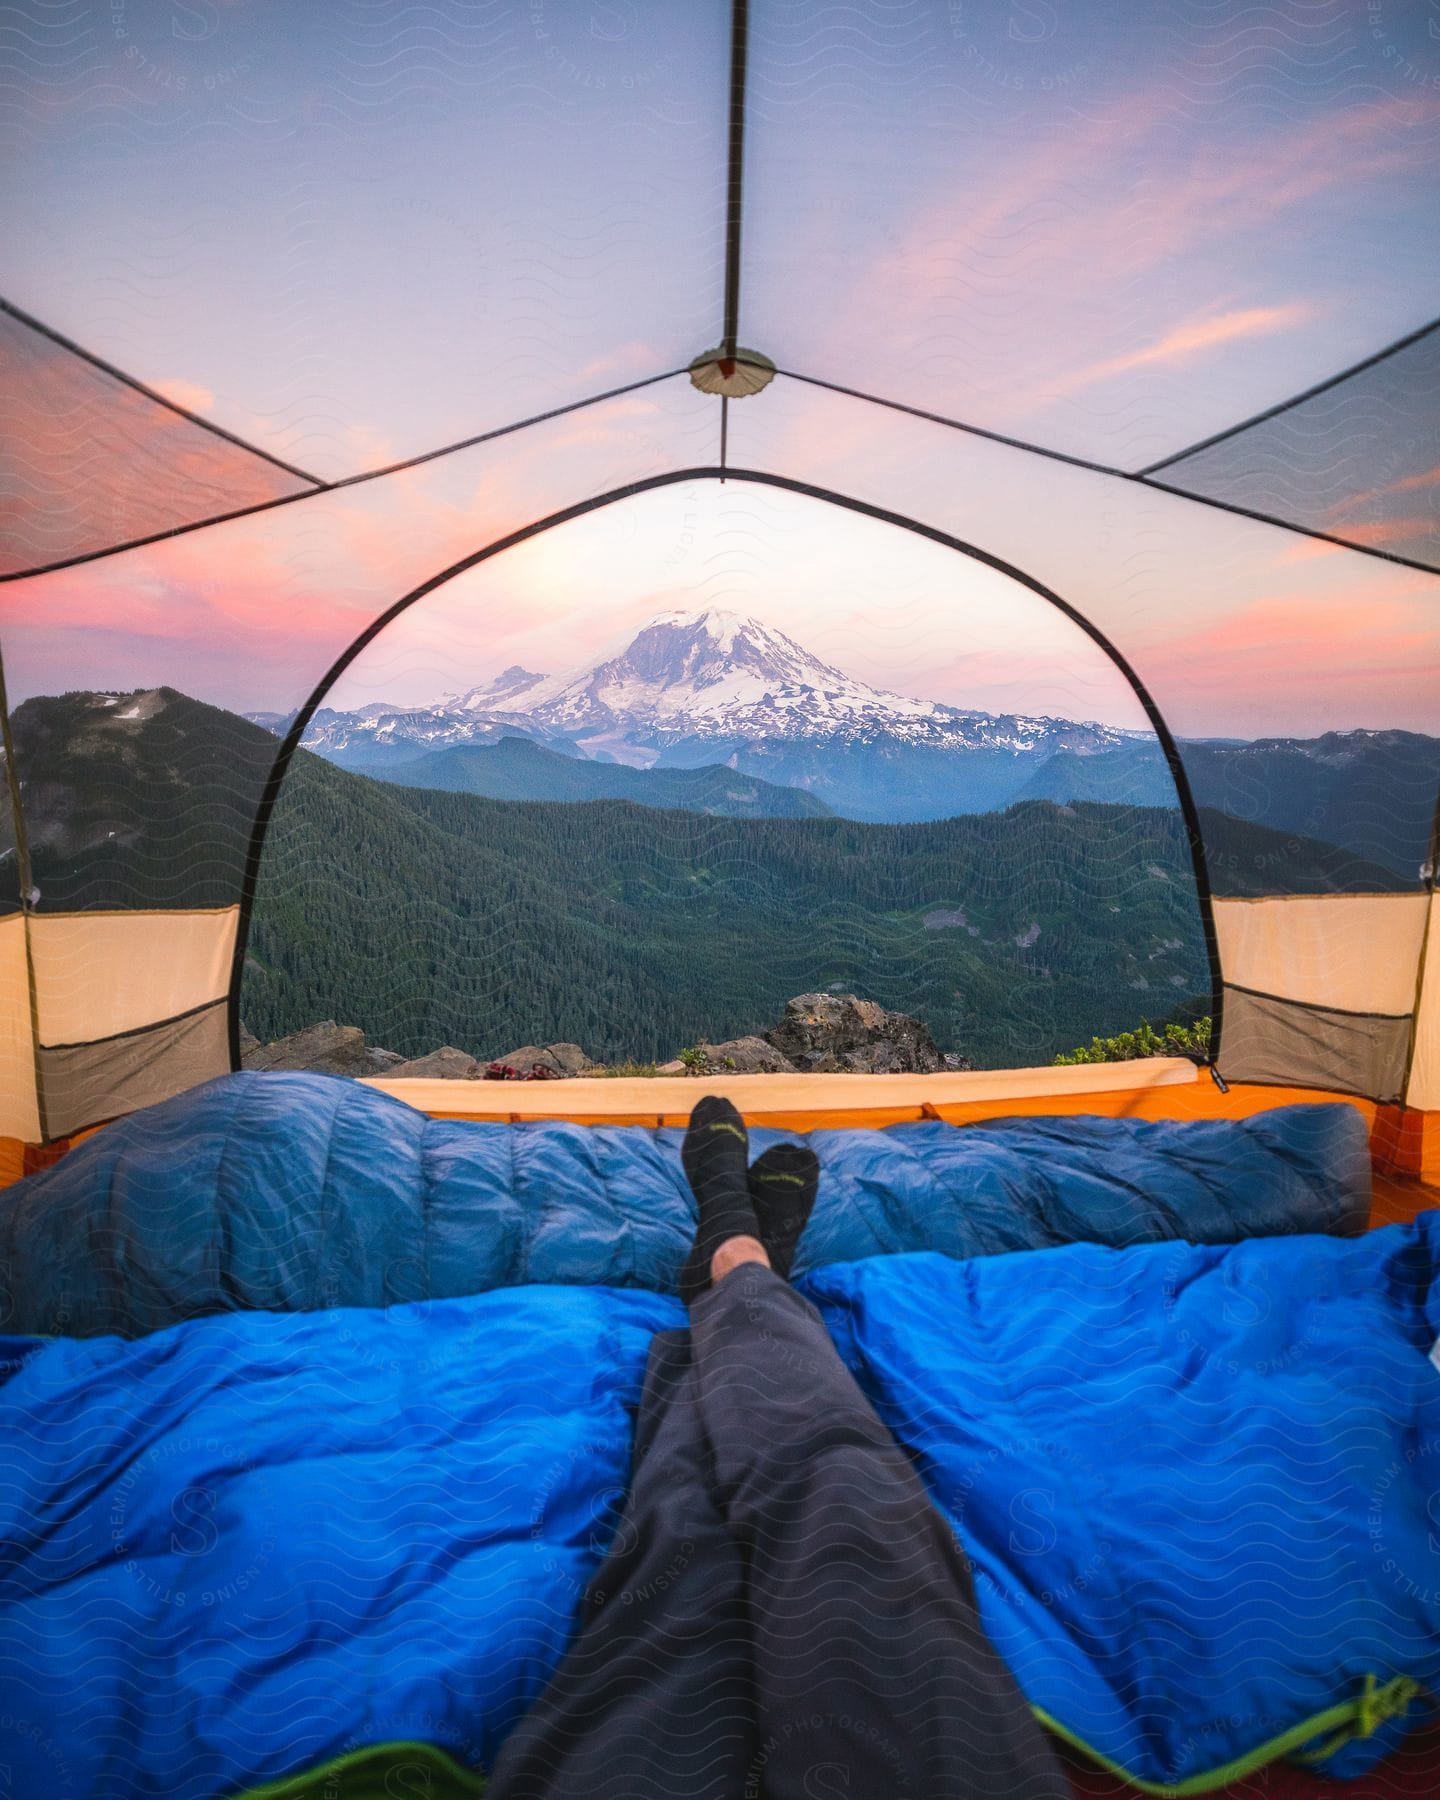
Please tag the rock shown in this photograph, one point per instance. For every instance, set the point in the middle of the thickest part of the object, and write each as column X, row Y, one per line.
column 559, row 1059
column 672, row 1068
column 744, row 1056
column 250, row 1046
column 956, row 1064
column 326, row 1049
column 445, row 1064
column 832, row 1033
column 383, row 1061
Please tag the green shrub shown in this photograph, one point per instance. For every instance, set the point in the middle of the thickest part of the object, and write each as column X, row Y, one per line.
column 1173, row 1040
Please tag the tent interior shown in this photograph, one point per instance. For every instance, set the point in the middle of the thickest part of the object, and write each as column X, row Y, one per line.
column 566, row 523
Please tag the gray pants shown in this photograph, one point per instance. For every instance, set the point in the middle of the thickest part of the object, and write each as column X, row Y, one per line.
column 782, row 1613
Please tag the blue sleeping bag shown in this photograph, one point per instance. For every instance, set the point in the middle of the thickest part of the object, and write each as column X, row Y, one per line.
column 250, row 1544
column 1193, row 1481
column 242, row 1545
column 1199, row 1487
column 295, row 1192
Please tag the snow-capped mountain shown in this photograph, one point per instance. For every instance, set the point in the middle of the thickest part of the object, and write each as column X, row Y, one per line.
column 720, row 676
column 709, row 683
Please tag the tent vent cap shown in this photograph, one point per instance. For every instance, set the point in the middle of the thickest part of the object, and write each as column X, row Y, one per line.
column 732, row 375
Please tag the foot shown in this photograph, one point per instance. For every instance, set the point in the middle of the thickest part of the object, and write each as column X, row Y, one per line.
column 714, row 1154
column 783, row 1183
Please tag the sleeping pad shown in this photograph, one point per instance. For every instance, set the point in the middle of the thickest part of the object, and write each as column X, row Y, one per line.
column 294, row 1192
column 1193, row 1482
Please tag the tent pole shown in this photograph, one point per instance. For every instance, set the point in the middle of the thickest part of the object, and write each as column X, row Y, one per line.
column 27, row 891
column 739, row 54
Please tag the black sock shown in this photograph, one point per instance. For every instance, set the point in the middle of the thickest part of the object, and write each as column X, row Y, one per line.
column 782, row 1188
column 715, row 1153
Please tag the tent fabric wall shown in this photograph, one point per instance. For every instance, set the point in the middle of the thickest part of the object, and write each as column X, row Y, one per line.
column 103, row 974
column 1321, row 988
column 1278, row 1040
column 19, row 1110
column 127, row 1006
column 1423, row 1089
column 81, row 1084
column 1351, row 952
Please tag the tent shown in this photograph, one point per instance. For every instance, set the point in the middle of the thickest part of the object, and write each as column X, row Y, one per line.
column 307, row 320
column 320, row 319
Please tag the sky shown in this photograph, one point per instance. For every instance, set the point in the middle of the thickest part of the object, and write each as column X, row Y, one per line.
column 353, row 234
column 909, row 616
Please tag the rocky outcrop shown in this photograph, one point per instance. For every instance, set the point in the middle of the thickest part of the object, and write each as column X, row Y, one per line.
column 555, row 1059
column 331, row 1049
column 841, row 1033
column 445, row 1064
column 324, row 1049
column 745, row 1056
column 819, row 1034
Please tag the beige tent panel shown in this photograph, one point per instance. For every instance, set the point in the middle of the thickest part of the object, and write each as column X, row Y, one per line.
column 1424, row 1089
column 100, row 973
column 19, row 1113
column 1350, row 952
column 803, row 1102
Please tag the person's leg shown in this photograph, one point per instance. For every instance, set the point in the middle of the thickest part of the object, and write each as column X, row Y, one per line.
column 653, row 1699
column 654, row 1696
column 873, row 1675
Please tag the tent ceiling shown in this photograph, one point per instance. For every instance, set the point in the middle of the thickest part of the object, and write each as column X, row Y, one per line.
column 352, row 243
column 354, row 236
column 1110, row 231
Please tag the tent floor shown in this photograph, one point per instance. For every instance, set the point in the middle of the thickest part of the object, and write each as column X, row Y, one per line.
column 1395, row 1200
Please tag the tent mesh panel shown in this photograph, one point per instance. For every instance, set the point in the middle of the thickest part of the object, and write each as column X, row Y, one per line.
column 88, row 462
column 1359, row 461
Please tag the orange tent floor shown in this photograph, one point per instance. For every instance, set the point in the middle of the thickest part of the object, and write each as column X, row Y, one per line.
column 1403, row 1142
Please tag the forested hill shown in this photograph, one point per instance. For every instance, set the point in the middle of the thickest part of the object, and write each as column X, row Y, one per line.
column 441, row 918
column 518, row 769
column 432, row 917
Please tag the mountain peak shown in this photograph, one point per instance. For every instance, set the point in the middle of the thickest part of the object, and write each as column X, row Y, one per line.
column 509, row 684
column 723, row 629
column 703, row 674
column 709, row 682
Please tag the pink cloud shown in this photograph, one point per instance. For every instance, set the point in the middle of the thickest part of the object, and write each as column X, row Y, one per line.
column 1080, row 240
column 633, row 358
column 252, row 612
column 1386, row 533
column 1177, row 345
column 188, row 394
column 1404, row 484
column 87, row 464
column 1362, row 656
